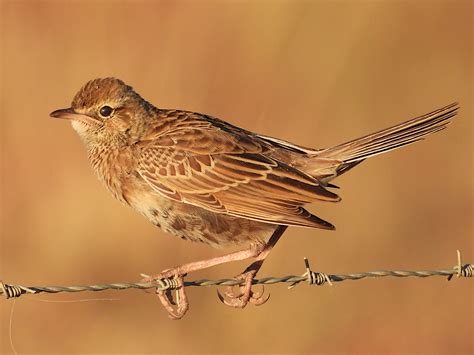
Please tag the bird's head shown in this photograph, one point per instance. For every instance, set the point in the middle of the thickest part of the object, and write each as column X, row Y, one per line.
column 106, row 109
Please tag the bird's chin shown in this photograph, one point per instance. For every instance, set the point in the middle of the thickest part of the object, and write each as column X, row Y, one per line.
column 82, row 128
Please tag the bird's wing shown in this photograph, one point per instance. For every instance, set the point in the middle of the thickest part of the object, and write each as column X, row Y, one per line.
column 204, row 162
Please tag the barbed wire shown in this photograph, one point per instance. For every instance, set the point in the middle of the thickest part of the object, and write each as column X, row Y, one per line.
column 311, row 277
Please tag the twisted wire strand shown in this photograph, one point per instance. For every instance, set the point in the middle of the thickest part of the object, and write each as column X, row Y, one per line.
column 311, row 277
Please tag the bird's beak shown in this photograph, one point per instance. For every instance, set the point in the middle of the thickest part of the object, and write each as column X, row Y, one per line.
column 70, row 114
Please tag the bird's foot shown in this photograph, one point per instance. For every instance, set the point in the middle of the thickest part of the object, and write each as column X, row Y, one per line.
column 168, row 281
column 245, row 293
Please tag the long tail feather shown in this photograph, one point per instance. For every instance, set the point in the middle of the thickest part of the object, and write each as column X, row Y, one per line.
column 391, row 138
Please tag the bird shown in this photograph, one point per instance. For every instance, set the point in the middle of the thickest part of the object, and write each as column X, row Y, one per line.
column 206, row 180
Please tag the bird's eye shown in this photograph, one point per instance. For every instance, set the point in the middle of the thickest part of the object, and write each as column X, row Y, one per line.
column 106, row 111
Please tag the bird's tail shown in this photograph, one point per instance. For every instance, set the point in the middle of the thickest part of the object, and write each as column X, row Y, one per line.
column 337, row 160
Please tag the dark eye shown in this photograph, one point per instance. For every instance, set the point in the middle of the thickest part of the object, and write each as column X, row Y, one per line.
column 106, row 111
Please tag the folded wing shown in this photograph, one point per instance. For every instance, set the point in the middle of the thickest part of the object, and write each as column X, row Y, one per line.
column 224, row 170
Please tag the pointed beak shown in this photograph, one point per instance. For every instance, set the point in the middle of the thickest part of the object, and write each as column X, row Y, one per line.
column 70, row 114
column 67, row 113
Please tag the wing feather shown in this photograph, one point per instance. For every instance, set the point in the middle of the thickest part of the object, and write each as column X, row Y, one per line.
column 224, row 170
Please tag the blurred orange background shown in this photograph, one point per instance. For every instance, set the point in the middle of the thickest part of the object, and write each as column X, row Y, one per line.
column 313, row 72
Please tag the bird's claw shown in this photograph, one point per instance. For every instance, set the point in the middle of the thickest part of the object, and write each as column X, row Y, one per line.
column 230, row 292
column 259, row 298
column 176, row 305
column 245, row 293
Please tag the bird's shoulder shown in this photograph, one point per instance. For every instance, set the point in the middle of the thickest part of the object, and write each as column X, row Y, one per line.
column 187, row 128
column 200, row 134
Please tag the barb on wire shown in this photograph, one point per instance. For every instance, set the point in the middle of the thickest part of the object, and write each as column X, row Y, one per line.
column 311, row 277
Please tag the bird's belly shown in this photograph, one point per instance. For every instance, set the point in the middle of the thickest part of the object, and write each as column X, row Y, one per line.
column 197, row 224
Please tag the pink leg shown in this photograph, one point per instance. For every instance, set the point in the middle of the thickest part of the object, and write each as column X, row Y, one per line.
column 182, row 303
column 246, row 295
column 254, row 251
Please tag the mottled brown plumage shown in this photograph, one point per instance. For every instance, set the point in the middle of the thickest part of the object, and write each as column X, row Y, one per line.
column 205, row 180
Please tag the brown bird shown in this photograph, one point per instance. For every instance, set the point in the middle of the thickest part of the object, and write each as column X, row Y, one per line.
column 205, row 180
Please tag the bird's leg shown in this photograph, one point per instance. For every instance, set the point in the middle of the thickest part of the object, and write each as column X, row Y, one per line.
column 253, row 251
column 246, row 295
column 177, row 308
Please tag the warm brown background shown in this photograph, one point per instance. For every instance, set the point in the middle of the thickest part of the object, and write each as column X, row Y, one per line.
column 316, row 73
